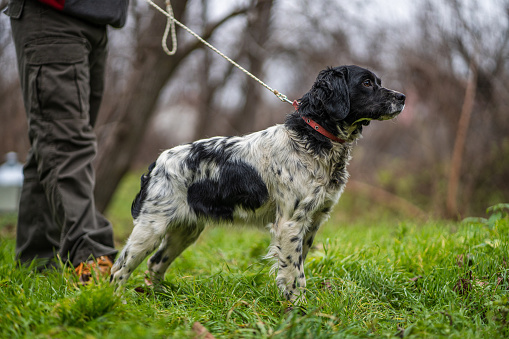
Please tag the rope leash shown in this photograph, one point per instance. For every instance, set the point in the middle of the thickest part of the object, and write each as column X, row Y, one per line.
column 170, row 27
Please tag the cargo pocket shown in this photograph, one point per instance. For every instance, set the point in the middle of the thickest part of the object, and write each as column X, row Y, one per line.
column 58, row 79
column 14, row 9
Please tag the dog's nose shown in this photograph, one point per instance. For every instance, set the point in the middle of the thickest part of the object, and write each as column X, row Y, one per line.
column 400, row 96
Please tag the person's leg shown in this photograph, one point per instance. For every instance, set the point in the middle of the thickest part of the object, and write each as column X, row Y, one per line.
column 96, row 233
column 37, row 236
column 53, row 56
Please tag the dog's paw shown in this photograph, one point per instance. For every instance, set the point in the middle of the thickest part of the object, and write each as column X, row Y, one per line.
column 118, row 278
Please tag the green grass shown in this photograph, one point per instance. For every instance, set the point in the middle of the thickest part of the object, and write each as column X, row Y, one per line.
column 388, row 278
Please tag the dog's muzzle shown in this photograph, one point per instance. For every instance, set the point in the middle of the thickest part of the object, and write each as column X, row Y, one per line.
column 396, row 107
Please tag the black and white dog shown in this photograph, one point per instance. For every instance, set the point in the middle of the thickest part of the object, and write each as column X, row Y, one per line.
column 287, row 178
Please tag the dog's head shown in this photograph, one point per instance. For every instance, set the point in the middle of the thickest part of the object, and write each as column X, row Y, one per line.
column 347, row 97
column 368, row 99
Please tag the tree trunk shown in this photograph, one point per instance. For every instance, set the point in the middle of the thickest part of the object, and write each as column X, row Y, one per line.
column 459, row 144
column 257, row 34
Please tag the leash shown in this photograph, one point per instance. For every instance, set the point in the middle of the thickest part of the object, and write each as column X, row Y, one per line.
column 170, row 27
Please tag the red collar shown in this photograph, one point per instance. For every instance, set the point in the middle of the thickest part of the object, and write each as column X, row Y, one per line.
column 317, row 127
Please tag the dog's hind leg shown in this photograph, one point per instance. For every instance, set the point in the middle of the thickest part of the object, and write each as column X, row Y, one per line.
column 177, row 239
column 147, row 234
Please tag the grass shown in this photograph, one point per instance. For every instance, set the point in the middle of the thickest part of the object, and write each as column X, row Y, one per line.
column 392, row 278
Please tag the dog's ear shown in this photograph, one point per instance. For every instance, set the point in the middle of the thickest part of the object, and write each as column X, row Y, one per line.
column 331, row 92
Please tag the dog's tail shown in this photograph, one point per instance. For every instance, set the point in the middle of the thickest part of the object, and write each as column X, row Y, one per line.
column 142, row 194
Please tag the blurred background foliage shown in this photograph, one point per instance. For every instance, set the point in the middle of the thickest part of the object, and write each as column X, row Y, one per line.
column 447, row 155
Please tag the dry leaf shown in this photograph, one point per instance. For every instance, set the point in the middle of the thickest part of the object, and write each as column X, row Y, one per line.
column 414, row 279
column 201, row 331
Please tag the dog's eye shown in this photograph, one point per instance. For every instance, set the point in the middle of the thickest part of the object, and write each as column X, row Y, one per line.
column 367, row 83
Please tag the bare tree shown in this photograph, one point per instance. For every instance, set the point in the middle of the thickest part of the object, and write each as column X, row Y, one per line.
column 256, row 34
column 463, row 144
column 208, row 109
column 13, row 129
column 459, row 144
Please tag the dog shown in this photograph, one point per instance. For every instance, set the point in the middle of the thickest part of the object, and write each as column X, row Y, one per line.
column 286, row 177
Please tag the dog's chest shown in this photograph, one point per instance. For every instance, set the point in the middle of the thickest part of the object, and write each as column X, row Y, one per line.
column 294, row 174
column 330, row 170
column 339, row 173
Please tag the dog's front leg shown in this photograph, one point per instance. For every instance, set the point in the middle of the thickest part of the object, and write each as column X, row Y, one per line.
column 288, row 246
column 318, row 219
column 292, row 279
column 293, row 231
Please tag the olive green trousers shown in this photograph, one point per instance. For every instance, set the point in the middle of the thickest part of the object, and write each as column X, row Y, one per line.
column 61, row 63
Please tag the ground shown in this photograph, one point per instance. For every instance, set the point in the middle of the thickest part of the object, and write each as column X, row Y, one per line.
column 380, row 276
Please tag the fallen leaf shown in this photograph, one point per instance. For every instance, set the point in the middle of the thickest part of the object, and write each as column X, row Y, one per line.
column 400, row 333
column 148, row 281
column 201, row 331
column 414, row 279
column 326, row 284
column 141, row 290
column 464, row 285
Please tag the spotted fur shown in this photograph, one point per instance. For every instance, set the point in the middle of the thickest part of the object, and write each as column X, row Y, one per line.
column 287, row 178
